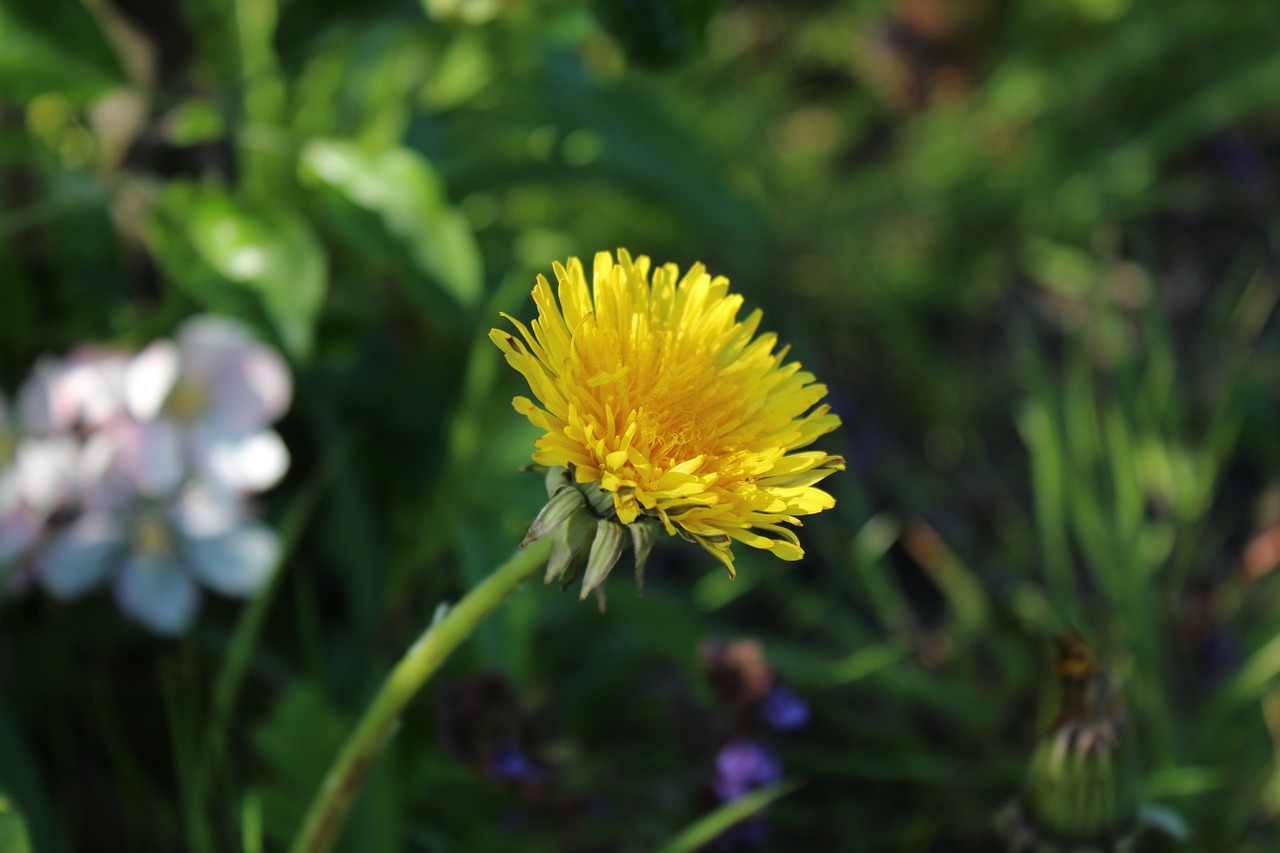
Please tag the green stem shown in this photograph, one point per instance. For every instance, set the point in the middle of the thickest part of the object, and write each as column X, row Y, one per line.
column 342, row 782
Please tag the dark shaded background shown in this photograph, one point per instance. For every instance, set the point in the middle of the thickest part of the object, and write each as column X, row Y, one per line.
column 1030, row 247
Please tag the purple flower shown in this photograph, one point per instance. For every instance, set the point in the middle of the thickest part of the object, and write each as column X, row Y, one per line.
column 511, row 763
column 742, row 766
column 784, row 710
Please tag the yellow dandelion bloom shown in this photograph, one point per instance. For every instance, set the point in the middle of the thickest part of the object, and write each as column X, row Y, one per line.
column 652, row 389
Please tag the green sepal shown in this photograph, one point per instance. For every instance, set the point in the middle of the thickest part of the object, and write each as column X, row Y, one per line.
column 562, row 505
column 557, row 478
column 569, row 543
column 1079, row 793
column 643, row 535
column 606, row 550
column 601, row 501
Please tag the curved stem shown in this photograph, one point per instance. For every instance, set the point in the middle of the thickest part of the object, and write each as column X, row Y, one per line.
column 342, row 782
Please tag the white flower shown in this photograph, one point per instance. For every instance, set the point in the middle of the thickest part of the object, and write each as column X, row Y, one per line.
column 133, row 470
column 158, row 553
column 82, row 392
column 41, row 471
column 205, row 403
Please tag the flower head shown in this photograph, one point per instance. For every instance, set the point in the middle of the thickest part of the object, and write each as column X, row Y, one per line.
column 656, row 396
column 136, row 469
column 45, row 465
column 1081, row 791
column 514, row 765
column 743, row 766
column 784, row 710
column 73, row 395
column 204, row 402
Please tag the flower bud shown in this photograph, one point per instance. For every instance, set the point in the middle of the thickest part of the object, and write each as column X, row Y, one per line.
column 1081, row 792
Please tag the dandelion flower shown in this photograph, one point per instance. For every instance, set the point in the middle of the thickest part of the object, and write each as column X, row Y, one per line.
column 663, row 410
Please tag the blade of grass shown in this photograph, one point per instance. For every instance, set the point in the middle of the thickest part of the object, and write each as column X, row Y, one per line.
column 1255, row 675
column 13, row 829
column 867, row 549
column 804, row 667
column 230, row 676
column 199, row 833
column 465, row 430
column 707, row 827
column 969, row 605
column 20, row 774
column 251, row 827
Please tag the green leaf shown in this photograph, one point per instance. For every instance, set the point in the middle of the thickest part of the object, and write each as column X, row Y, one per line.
column 22, row 786
column 413, row 218
column 472, row 12
column 296, row 745
column 462, row 71
column 261, row 261
column 706, row 828
column 14, row 837
column 54, row 47
column 656, row 33
column 195, row 121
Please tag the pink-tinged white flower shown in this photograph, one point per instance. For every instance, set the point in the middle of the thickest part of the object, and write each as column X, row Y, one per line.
column 40, row 474
column 80, row 393
column 203, row 404
column 158, row 554
column 20, row 526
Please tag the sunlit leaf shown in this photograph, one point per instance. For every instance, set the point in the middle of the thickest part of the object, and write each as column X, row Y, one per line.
column 464, row 11
column 463, row 69
column 242, row 260
column 400, row 189
column 14, row 837
column 195, row 121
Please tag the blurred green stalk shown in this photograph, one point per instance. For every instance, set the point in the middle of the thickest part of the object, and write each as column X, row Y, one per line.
column 341, row 784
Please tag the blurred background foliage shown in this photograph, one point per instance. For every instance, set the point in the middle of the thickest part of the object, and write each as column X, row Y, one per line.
column 1030, row 246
